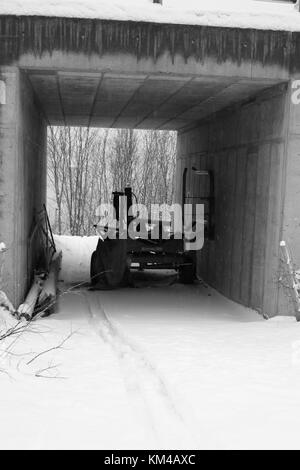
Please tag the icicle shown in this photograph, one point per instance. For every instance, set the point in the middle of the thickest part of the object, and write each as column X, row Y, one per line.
column 158, row 43
column 186, row 44
column 203, row 44
column 239, row 47
column 155, row 48
column 21, row 35
column 99, row 40
column 139, row 44
column 76, row 35
column 265, row 48
column 149, row 30
column 89, row 38
column 172, row 37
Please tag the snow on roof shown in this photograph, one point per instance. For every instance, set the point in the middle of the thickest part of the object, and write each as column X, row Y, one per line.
column 271, row 15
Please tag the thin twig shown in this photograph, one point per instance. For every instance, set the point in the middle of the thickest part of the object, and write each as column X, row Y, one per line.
column 59, row 346
column 40, row 373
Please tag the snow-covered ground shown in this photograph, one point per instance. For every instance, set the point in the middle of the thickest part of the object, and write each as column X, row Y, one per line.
column 161, row 365
column 224, row 13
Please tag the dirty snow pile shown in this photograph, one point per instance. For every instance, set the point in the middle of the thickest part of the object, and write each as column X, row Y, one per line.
column 224, row 13
column 161, row 366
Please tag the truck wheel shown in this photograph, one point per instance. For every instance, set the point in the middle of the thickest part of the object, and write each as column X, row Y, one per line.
column 96, row 270
column 187, row 273
column 113, row 256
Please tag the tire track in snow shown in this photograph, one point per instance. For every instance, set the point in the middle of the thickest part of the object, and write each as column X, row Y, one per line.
column 145, row 386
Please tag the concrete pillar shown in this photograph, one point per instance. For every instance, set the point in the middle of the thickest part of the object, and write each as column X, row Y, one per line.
column 291, row 193
column 8, row 151
column 2, row 92
column 291, row 211
column 22, row 176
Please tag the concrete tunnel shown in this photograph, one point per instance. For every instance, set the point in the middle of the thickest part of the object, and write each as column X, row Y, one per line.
column 226, row 91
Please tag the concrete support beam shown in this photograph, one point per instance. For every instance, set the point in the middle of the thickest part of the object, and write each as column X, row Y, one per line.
column 22, row 176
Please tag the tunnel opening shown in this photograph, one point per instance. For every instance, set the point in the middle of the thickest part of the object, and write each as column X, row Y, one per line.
column 88, row 168
column 230, row 127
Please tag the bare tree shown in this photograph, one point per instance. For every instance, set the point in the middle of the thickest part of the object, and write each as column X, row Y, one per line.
column 124, row 158
column 77, row 172
column 57, row 170
column 86, row 165
column 156, row 184
column 166, row 162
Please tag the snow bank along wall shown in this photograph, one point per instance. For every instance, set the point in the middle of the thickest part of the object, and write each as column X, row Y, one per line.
column 227, row 91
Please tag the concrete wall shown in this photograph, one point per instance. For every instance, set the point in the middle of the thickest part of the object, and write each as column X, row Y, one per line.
column 245, row 147
column 291, row 195
column 22, row 177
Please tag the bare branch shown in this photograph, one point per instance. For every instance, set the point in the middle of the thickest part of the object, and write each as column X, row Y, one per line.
column 55, row 348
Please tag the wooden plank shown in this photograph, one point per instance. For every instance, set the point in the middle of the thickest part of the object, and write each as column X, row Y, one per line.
column 213, row 165
column 229, row 232
column 249, row 221
column 260, row 233
column 220, row 219
column 224, row 242
column 199, row 192
column 271, row 274
column 210, row 244
column 203, row 193
column 238, row 225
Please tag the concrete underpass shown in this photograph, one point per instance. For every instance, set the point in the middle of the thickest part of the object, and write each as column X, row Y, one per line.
column 227, row 91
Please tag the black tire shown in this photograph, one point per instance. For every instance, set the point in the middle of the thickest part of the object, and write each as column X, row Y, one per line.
column 96, row 269
column 114, row 258
column 187, row 273
column 93, row 268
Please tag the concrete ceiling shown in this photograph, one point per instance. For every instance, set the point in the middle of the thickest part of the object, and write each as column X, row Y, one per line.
column 136, row 101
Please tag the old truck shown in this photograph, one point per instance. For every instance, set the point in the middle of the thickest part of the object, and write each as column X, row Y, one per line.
column 116, row 257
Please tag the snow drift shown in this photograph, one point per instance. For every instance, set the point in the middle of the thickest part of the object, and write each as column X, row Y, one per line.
column 223, row 13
